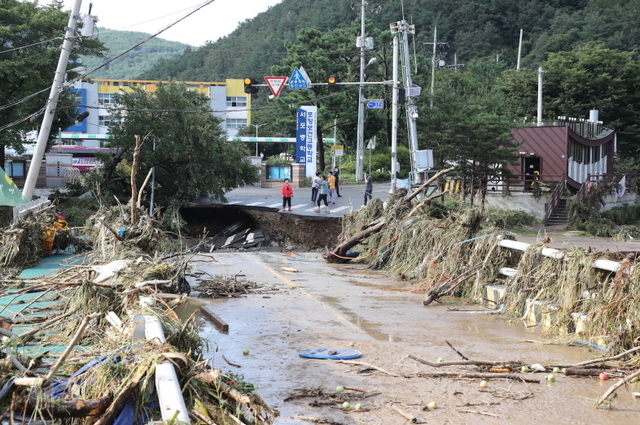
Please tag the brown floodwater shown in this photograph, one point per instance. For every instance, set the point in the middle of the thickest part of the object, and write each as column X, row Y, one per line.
column 346, row 306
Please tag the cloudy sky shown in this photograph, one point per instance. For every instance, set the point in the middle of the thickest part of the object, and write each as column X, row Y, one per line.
column 209, row 23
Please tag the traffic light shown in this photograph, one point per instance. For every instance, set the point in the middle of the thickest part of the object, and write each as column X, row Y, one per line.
column 82, row 115
column 333, row 81
column 249, row 86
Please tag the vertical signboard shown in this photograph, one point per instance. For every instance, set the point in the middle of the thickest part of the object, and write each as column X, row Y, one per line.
column 306, row 135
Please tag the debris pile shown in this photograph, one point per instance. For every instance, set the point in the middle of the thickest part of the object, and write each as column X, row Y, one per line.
column 100, row 340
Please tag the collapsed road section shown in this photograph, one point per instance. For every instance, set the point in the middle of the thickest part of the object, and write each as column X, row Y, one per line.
column 259, row 228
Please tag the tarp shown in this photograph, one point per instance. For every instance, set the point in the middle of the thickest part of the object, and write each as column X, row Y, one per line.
column 10, row 194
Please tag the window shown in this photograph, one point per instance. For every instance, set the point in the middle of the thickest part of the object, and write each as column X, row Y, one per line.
column 236, row 101
column 14, row 168
column 236, row 123
column 104, row 120
column 106, row 98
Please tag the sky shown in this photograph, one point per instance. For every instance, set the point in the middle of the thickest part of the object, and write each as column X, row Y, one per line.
column 210, row 23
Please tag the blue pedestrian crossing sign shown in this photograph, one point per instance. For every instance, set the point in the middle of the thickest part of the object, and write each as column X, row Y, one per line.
column 298, row 80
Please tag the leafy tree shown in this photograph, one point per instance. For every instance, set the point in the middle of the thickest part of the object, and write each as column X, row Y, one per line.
column 191, row 155
column 30, row 39
column 467, row 126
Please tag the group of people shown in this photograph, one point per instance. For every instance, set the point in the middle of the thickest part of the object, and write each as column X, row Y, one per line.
column 324, row 190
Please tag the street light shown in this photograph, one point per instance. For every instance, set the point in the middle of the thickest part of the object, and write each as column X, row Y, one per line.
column 257, row 126
column 360, row 134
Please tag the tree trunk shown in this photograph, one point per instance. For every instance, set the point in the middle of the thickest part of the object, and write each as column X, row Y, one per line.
column 134, row 187
column 341, row 250
column 59, row 409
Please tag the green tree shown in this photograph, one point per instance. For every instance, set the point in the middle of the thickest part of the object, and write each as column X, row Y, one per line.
column 191, row 155
column 30, row 36
column 467, row 126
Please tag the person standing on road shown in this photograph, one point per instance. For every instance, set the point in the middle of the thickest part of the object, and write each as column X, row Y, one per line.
column 315, row 182
column 323, row 191
column 332, row 188
column 368, row 187
column 336, row 173
column 287, row 194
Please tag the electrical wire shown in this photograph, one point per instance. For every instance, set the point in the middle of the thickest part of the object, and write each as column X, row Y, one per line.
column 108, row 61
column 30, row 45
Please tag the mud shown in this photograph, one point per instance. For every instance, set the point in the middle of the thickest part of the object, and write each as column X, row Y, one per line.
column 301, row 233
column 347, row 306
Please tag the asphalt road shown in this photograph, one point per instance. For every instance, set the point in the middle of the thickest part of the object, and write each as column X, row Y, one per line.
column 352, row 199
column 302, row 303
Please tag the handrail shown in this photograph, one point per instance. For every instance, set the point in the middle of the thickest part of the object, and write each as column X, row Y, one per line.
column 555, row 197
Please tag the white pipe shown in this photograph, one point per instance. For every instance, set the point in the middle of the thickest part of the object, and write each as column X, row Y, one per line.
column 540, row 72
column 167, row 383
column 519, row 50
column 608, row 265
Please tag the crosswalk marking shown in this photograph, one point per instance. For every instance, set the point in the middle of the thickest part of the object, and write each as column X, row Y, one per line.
column 254, row 204
column 234, row 202
column 275, row 205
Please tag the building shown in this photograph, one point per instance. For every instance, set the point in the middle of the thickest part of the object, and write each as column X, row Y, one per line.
column 575, row 148
column 228, row 101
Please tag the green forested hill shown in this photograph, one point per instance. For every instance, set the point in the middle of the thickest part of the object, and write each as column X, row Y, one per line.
column 132, row 64
column 472, row 29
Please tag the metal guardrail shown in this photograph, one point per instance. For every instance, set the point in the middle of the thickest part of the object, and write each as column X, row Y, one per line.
column 35, row 205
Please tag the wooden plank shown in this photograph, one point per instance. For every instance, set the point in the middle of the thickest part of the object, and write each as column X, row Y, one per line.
column 208, row 311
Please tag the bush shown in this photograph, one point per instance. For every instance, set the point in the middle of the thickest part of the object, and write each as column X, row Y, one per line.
column 510, row 218
column 623, row 215
column 381, row 176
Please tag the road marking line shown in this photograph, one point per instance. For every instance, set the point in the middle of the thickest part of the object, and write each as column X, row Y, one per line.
column 305, row 293
column 275, row 205
column 344, row 207
column 234, row 202
column 253, row 204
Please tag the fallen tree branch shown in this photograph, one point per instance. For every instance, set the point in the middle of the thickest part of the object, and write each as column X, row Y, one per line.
column 457, row 352
column 458, row 363
column 579, row 371
column 604, row 359
column 65, row 408
column 74, row 341
column 478, row 375
column 341, row 250
column 367, row 365
column 427, row 183
column 617, row 385
column 449, row 285
column 405, row 415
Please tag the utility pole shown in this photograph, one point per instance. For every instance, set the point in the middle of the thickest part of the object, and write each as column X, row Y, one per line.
column 394, row 116
column 360, row 132
column 52, row 102
column 433, row 65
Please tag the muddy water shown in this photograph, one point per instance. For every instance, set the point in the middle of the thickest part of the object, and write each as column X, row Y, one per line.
column 346, row 306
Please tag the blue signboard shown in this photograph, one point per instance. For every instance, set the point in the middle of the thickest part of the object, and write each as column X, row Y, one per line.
column 301, row 136
column 375, row 104
column 297, row 80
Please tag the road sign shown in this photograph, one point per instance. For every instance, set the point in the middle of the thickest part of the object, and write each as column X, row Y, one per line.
column 371, row 145
column 276, row 84
column 337, row 150
column 375, row 103
column 298, row 80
